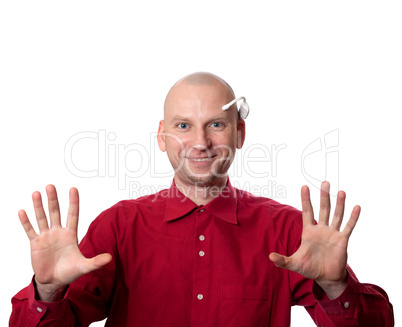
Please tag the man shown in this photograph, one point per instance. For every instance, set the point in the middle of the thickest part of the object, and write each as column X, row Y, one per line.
column 201, row 253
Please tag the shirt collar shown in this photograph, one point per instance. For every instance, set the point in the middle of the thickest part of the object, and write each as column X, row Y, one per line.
column 224, row 206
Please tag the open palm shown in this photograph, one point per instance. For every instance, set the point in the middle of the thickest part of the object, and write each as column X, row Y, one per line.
column 322, row 255
column 56, row 258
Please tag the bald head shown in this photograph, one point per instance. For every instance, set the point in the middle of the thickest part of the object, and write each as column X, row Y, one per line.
column 204, row 78
column 193, row 81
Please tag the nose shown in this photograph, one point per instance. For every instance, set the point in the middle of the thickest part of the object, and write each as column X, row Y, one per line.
column 201, row 140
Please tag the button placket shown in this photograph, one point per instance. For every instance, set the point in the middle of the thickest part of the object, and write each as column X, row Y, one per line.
column 202, row 264
column 202, row 214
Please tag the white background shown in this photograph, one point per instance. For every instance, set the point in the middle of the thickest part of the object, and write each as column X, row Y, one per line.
column 307, row 68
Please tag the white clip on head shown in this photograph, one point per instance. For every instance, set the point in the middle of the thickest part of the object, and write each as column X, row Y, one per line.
column 244, row 109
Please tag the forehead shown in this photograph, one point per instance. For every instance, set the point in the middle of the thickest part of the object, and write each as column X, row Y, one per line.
column 197, row 101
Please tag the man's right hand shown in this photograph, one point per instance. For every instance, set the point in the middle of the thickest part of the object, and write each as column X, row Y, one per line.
column 56, row 258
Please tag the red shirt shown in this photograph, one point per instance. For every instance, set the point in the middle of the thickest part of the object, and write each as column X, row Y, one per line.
column 179, row 264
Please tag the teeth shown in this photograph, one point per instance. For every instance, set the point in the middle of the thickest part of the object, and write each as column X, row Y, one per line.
column 199, row 160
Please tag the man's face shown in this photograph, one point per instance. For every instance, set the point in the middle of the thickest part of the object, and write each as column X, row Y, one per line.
column 199, row 137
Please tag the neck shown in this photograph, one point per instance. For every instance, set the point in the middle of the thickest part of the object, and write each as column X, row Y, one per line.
column 201, row 194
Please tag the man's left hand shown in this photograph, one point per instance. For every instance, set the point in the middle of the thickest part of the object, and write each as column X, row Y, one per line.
column 322, row 255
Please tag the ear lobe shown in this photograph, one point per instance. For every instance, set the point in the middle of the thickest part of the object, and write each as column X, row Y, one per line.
column 161, row 136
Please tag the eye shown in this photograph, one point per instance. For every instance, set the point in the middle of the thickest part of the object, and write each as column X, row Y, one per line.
column 217, row 125
column 182, row 125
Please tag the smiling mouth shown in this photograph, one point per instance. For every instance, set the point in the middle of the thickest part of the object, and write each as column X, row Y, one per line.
column 201, row 159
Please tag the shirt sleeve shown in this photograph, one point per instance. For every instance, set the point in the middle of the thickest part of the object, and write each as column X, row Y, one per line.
column 27, row 311
column 359, row 305
column 85, row 301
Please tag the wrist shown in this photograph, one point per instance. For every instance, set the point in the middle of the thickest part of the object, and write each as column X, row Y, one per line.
column 334, row 289
column 49, row 292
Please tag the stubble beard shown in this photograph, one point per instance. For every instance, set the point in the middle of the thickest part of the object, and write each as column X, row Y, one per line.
column 199, row 179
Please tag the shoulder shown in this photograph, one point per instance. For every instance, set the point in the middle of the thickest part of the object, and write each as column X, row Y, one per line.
column 126, row 210
column 267, row 209
column 248, row 200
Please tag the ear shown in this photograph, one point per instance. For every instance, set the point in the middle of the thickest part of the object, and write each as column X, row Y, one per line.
column 161, row 136
column 241, row 133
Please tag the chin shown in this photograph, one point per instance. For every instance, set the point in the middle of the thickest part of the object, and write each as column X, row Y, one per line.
column 202, row 180
column 205, row 180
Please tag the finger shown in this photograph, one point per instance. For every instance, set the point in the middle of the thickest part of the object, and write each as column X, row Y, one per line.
column 73, row 209
column 308, row 214
column 95, row 263
column 54, row 209
column 339, row 210
column 325, row 204
column 26, row 224
column 347, row 231
column 39, row 212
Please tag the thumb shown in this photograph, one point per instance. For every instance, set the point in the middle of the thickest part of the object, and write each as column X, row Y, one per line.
column 95, row 263
column 279, row 260
column 101, row 260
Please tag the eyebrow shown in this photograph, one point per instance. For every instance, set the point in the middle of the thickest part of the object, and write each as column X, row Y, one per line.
column 177, row 117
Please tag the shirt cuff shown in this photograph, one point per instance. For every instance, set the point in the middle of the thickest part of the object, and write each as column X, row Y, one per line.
column 345, row 304
column 42, row 309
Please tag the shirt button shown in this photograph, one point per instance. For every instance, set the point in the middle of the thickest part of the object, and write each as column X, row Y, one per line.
column 202, row 238
column 202, row 210
column 39, row 309
column 201, row 253
column 346, row 305
column 200, row 296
